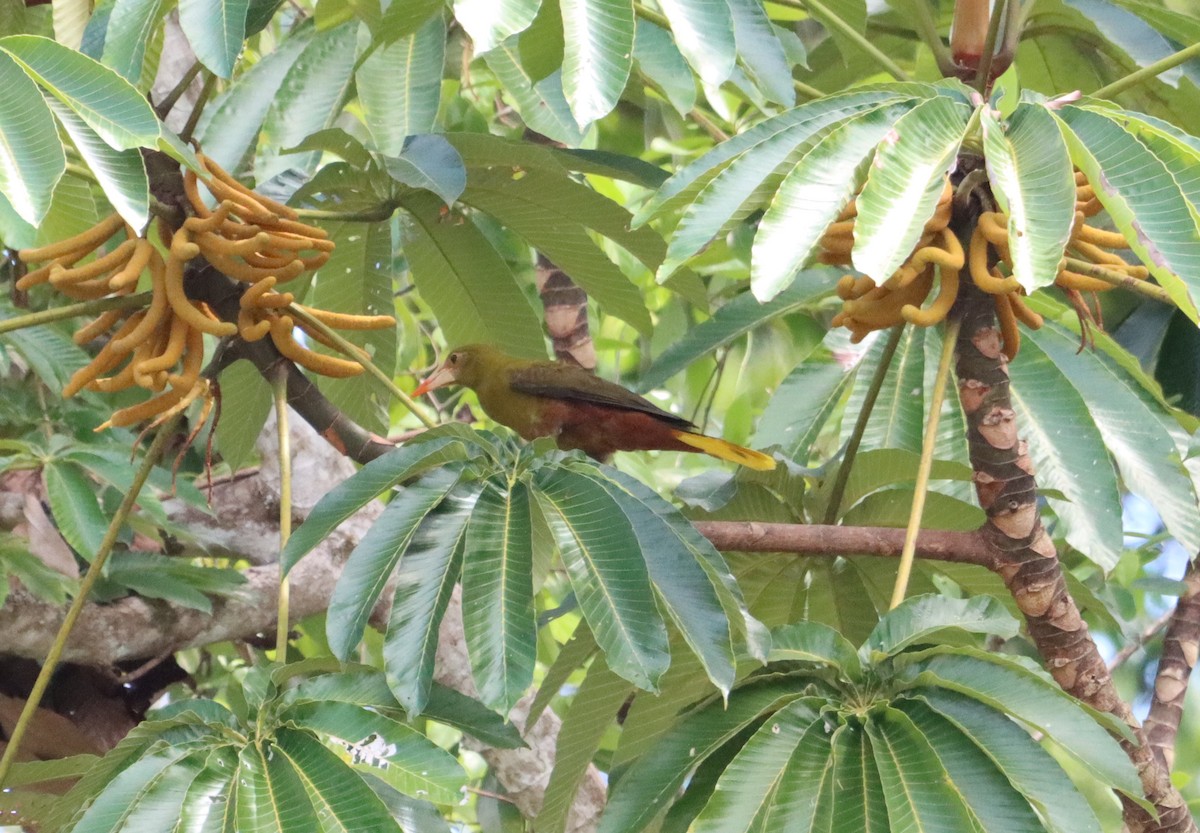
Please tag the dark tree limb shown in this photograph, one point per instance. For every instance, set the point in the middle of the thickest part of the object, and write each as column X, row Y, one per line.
column 565, row 305
column 1180, row 646
column 1007, row 490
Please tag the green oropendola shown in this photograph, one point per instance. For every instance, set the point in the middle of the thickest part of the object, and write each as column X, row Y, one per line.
column 575, row 407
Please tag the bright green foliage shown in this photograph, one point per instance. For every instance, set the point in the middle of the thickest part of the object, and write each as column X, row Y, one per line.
column 895, row 735
column 477, row 517
column 441, row 143
column 305, row 744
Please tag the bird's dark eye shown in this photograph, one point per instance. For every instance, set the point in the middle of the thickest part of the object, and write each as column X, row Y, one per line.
column 453, row 358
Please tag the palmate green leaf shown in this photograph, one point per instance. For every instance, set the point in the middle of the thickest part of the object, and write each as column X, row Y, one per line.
column 424, row 581
column 130, row 27
column 811, row 196
column 662, row 62
column 1030, row 171
column 729, row 182
column 683, row 586
column 687, row 182
column 1142, row 197
column 448, row 706
column 703, row 29
column 429, row 162
column 906, row 179
column 441, row 445
column 649, row 715
column 394, row 752
column 1032, row 698
column 311, row 97
column 984, row 787
column 215, row 29
column 120, row 796
column 210, row 803
column 400, row 19
column 169, row 575
column 598, row 54
column 357, row 279
column 926, row 618
column 1046, row 401
column 650, row 783
column 372, row 562
column 1176, row 25
column 591, row 712
column 608, row 573
column 489, row 22
column 734, row 319
column 542, row 102
column 264, row 784
column 121, row 173
column 232, row 121
column 598, row 58
column 497, row 587
column 1133, row 433
column 756, row 636
column 31, row 155
column 916, row 787
column 50, row 353
column 880, row 468
column 400, row 86
column 1178, row 150
column 748, row 785
column 343, row 801
column 858, row 805
column 814, row 642
column 547, row 209
column 801, row 802
column 760, row 52
column 1028, row 767
column 1140, row 41
column 898, row 418
column 75, row 508
column 246, row 402
column 850, row 12
column 109, row 104
column 466, row 282
column 801, row 405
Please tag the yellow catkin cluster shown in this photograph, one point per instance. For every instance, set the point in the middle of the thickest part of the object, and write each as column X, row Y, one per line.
column 868, row 305
column 1087, row 244
column 160, row 347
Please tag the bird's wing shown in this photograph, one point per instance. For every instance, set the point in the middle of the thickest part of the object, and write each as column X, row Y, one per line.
column 564, row 381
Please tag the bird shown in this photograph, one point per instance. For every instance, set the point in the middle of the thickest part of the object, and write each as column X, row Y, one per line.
column 575, row 407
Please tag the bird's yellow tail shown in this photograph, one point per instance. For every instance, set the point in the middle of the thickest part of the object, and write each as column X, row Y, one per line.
column 723, row 450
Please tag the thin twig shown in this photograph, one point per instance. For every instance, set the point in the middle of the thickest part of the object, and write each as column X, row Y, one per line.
column 1134, row 645
column 279, row 389
column 1146, row 73
column 928, row 445
column 165, row 432
column 982, row 78
column 850, row 33
column 47, row 316
column 1119, row 279
column 860, row 426
column 356, row 353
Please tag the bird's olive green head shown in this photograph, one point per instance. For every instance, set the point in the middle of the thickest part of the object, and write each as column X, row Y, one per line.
column 467, row 365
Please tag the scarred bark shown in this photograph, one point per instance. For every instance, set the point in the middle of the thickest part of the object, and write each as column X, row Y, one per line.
column 1180, row 646
column 565, row 305
column 1007, row 490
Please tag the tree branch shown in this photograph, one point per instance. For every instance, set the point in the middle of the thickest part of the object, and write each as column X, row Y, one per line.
column 937, row 545
column 1180, row 646
column 1007, row 491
